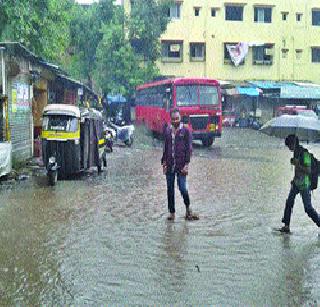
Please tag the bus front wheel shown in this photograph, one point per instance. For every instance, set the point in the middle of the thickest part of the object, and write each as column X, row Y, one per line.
column 207, row 142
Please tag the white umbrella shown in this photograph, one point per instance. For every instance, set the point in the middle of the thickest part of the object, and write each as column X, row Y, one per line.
column 306, row 128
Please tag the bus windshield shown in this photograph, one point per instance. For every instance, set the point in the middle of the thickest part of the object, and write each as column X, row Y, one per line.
column 187, row 95
column 191, row 95
column 208, row 95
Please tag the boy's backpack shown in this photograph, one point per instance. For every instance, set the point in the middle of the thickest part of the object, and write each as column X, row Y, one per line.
column 315, row 169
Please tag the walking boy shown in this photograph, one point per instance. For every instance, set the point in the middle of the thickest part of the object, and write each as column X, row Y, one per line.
column 300, row 183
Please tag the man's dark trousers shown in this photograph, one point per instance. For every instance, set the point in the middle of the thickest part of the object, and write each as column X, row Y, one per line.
column 182, row 184
column 306, row 199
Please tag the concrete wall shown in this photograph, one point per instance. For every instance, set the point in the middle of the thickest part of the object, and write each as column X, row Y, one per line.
column 290, row 35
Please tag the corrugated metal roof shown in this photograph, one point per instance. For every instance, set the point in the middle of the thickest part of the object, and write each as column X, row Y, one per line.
column 299, row 92
column 73, row 81
column 16, row 47
column 291, row 90
column 305, row 84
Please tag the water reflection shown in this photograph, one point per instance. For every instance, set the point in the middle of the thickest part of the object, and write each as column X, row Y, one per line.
column 103, row 239
column 174, row 247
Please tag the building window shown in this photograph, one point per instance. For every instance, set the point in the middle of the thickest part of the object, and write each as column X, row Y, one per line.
column 196, row 11
column 172, row 51
column 284, row 15
column 213, row 12
column 197, row 52
column 262, row 14
column 262, row 55
column 298, row 54
column 174, row 11
column 315, row 54
column 234, row 12
column 298, row 17
column 316, row 17
column 284, row 53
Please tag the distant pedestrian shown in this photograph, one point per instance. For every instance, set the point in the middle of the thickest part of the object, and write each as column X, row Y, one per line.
column 175, row 162
column 300, row 184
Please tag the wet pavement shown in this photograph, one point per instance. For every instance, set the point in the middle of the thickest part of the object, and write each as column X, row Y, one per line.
column 104, row 239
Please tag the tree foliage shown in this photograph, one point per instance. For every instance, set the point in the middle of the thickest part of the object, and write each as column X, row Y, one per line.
column 41, row 25
column 148, row 20
column 85, row 29
column 96, row 44
column 127, row 54
column 118, row 68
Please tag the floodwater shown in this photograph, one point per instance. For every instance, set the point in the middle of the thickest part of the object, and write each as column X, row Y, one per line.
column 104, row 239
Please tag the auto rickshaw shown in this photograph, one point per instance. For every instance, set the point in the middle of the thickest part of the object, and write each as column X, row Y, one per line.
column 72, row 140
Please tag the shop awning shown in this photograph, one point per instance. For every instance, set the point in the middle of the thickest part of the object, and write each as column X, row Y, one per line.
column 299, row 92
column 249, row 91
column 265, row 85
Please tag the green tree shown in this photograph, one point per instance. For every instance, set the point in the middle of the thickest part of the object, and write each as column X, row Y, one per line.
column 127, row 54
column 86, row 34
column 41, row 25
column 117, row 67
column 96, row 41
column 148, row 20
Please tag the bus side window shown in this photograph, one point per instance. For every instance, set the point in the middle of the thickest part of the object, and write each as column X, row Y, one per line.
column 167, row 102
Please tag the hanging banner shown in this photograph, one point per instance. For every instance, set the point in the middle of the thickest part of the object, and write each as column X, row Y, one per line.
column 238, row 52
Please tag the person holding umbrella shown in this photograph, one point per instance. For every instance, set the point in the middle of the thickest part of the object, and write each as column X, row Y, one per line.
column 301, row 183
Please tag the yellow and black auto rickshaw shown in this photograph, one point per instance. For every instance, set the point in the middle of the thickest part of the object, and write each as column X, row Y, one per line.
column 72, row 140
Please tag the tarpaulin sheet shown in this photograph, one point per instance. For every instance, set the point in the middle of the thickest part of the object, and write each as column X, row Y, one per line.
column 266, row 84
column 249, row 91
column 5, row 158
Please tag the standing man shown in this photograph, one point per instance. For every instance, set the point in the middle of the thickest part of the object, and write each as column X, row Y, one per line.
column 300, row 184
column 175, row 160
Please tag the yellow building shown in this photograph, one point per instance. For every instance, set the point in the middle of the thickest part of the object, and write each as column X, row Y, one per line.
column 280, row 39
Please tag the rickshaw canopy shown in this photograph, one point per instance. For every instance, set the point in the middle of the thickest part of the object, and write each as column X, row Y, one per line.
column 62, row 109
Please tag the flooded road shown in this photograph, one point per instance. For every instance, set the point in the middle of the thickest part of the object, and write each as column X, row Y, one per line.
column 104, row 239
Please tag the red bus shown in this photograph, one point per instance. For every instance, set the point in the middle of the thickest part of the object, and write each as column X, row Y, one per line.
column 199, row 102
